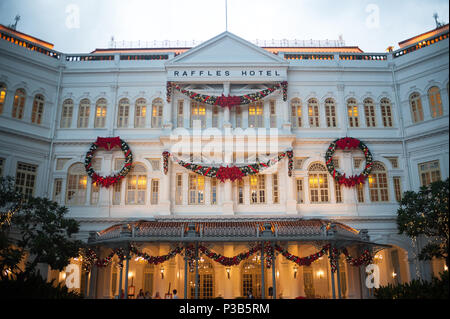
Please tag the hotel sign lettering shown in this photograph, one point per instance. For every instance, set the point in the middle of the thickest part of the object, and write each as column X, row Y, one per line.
column 267, row 73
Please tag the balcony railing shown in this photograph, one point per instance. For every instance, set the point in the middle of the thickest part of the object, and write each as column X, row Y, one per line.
column 82, row 57
column 300, row 56
column 420, row 45
column 28, row 45
column 363, row 57
column 138, row 57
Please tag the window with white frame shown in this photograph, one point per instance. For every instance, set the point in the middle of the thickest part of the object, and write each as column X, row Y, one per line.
column 100, row 113
column 238, row 115
column 338, row 192
column 136, row 185
column 157, row 113
column 66, row 113
column 416, row 107
column 155, row 191
column 330, row 112
column 429, row 172
column 19, row 104
column 76, row 185
column 360, row 193
column 179, row 189
column 257, row 189
column 83, row 113
column 296, row 113
column 434, row 96
column 273, row 113
column 275, row 189
column 37, row 113
column 57, row 190
column 196, row 189
column 123, row 113
column 299, row 186
column 117, row 188
column 386, row 112
column 180, row 113
column 215, row 116
column 213, row 191
column 318, row 183
column 378, row 183
column 240, row 190
column 140, row 112
column 26, row 178
column 95, row 193
column 369, row 111
column 2, row 96
column 256, row 114
column 397, row 188
column 198, row 113
column 352, row 110
column 313, row 113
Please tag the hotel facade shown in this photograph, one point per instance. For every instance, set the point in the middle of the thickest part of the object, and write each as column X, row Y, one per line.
column 54, row 106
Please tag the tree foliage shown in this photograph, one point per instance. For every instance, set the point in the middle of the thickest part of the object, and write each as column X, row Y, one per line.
column 426, row 213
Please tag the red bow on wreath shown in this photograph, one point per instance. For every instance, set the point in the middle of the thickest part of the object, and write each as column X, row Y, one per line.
column 108, row 143
column 228, row 101
column 347, row 143
column 232, row 173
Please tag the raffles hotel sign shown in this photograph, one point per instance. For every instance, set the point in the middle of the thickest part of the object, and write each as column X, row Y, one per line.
column 263, row 73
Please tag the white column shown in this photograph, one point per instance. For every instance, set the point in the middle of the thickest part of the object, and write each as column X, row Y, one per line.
column 167, row 115
column 269, row 188
column 105, row 193
column 286, row 122
column 349, row 193
column 291, row 202
column 165, row 190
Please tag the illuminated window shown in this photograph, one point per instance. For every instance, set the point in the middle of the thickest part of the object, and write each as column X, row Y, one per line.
column 196, row 189
column 198, row 113
column 19, row 104
column 434, row 97
column 386, row 112
column 140, row 112
column 180, row 112
column 255, row 115
column 26, row 178
column 118, row 163
column 238, row 112
column 123, row 113
column 360, row 193
column 378, row 183
column 215, row 116
column 318, row 183
column 76, row 185
column 416, row 107
column 300, row 195
column 95, row 193
column 397, row 188
column 155, row 191
column 213, row 191
column 369, row 111
column 136, row 185
column 296, row 113
column 313, row 113
column 149, row 271
column 429, row 172
column 205, row 281
column 330, row 113
column 273, row 114
column 83, row 113
column 179, row 189
column 338, row 192
column 352, row 109
column 275, row 190
column 66, row 114
column 257, row 189
column 38, row 109
column 157, row 113
column 2, row 96
column 100, row 113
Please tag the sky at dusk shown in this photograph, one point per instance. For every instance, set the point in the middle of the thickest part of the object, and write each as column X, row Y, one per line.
column 80, row 26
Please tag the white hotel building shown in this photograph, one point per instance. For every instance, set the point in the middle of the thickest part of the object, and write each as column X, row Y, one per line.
column 53, row 106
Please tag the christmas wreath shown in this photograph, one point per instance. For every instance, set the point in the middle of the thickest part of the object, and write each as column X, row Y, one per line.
column 108, row 143
column 348, row 143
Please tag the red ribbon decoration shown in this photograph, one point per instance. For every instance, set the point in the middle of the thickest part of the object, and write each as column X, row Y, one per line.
column 108, row 143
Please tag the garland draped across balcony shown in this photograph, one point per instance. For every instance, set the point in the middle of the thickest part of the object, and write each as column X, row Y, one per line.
column 228, row 101
column 230, row 173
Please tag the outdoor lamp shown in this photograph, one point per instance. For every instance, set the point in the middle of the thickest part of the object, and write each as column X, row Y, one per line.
column 162, row 272
column 295, row 271
column 228, row 269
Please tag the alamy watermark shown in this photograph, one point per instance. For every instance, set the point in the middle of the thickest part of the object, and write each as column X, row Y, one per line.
column 73, row 16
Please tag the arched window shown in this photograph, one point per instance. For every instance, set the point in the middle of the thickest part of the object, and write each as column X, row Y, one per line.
column 66, row 113
column 313, row 113
column 318, row 183
column 157, row 113
column 330, row 112
column 76, row 185
column 251, row 277
column 83, row 113
column 2, row 96
column 100, row 113
column 434, row 96
column 378, row 183
column 296, row 113
column 205, row 280
column 19, row 104
column 136, row 185
column 416, row 107
column 369, row 111
column 198, row 113
column 123, row 113
column 140, row 112
column 386, row 112
column 352, row 109
column 149, row 271
column 37, row 112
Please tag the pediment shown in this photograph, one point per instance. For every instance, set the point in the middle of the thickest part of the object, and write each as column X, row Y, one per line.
column 226, row 48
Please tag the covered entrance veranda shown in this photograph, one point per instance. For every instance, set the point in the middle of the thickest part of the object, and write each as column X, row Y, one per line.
column 206, row 258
